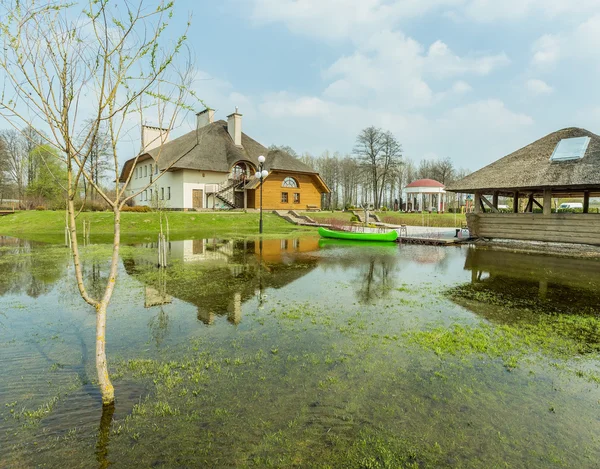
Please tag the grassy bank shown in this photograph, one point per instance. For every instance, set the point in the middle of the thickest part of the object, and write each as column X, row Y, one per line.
column 48, row 226
column 398, row 218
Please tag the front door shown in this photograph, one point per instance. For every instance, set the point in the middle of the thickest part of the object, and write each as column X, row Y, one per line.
column 197, row 198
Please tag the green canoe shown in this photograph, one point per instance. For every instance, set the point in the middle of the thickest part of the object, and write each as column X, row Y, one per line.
column 389, row 236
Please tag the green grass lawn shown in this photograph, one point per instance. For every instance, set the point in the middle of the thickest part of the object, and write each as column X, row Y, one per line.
column 414, row 219
column 49, row 226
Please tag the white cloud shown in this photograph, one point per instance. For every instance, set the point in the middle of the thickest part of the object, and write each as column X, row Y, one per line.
column 585, row 39
column 546, row 51
column 488, row 113
column 579, row 43
column 474, row 134
column 510, row 10
column 441, row 60
column 341, row 19
column 283, row 104
column 387, row 68
column 220, row 95
column 461, row 87
column 538, row 87
column 390, row 68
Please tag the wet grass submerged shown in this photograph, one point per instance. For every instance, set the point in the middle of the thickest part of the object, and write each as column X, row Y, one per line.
column 343, row 380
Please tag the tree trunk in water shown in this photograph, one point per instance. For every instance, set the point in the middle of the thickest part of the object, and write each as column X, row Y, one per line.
column 106, row 387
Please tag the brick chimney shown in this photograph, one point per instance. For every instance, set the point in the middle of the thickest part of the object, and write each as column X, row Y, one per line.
column 205, row 117
column 234, row 127
column 153, row 137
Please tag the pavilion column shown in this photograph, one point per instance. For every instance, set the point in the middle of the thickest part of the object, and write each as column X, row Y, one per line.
column 586, row 202
column 516, row 202
column 477, row 202
column 439, row 202
column 495, row 200
column 547, row 201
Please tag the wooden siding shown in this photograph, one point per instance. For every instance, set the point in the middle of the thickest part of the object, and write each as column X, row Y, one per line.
column 581, row 228
column 308, row 189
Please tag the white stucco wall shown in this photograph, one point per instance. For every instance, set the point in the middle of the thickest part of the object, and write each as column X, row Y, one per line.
column 179, row 184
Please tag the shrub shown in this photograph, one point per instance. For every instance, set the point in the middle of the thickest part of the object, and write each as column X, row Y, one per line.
column 384, row 208
column 95, row 206
column 354, row 219
column 40, row 207
column 136, row 208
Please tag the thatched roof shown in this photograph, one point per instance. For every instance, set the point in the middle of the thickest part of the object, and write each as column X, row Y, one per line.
column 531, row 168
column 211, row 148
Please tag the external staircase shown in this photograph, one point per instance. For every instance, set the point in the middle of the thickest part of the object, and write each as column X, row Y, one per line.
column 373, row 218
column 226, row 192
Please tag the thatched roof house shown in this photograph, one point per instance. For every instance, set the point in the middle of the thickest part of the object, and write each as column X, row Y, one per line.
column 213, row 166
column 565, row 163
column 211, row 148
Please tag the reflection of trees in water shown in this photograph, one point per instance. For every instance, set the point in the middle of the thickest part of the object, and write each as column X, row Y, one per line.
column 27, row 268
column 104, row 436
column 97, row 282
column 159, row 326
column 375, row 279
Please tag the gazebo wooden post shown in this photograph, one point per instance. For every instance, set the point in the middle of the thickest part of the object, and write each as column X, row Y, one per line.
column 477, row 202
column 516, row 202
column 529, row 207
column 586, row 202
column 495, row 200
column 547, row 201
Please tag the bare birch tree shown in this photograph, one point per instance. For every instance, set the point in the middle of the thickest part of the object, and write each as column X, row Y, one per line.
column 109, row 64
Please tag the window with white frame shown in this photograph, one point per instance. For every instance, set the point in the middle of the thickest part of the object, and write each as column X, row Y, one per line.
column 290, row 182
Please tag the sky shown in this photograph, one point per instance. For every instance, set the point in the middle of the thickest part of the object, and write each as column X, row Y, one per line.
column 472, row 80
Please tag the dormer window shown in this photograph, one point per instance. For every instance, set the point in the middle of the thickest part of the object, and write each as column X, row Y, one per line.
column 570, row 149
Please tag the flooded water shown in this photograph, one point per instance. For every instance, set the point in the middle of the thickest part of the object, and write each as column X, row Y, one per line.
column 302, row 353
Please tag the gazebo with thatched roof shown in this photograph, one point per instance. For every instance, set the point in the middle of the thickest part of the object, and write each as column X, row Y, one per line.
column 565, row 163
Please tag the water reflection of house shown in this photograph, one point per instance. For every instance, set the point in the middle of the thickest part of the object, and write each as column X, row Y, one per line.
column 511, row 288
column 202, row 250
column 577, row 273
column 282, row 250
column 220, row 275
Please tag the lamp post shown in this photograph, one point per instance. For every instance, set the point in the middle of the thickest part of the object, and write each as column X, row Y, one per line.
column 261, row 174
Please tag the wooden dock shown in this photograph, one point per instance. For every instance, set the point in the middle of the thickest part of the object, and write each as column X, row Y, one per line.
column 430, row 241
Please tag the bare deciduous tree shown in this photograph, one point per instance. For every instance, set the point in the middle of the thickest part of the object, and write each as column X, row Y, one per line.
column 14, row 158
column 108, row 65
column 368, row 150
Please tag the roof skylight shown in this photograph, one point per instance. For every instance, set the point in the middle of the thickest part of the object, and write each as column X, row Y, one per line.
column 570, row 149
